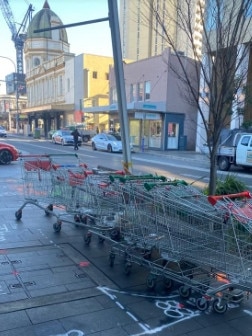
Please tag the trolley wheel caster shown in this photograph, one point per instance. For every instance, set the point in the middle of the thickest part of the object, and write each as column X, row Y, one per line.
column 115, row 234
column 48, row 209
column 87, row 238
column 202, row 304
column 111, row 259
column 219, row 307
column 101, row 239
column 18, row 214
column 168, row 283
column 127, row 267
column 184, row 291
column 77, row 219
column 151, row 281
column 57, row 226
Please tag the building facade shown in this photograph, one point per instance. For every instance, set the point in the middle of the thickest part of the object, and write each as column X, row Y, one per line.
column 11, row 107
column 160, row 117
column 46, row 54
column 141, row 33
column 59, row 84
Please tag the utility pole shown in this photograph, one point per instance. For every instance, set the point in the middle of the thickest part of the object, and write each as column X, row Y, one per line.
column 120, row 85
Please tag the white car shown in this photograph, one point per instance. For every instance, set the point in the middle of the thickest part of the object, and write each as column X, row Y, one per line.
column 3, row 133
column 108, row 142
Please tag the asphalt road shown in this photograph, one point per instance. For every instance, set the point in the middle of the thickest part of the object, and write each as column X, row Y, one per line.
column 193, row 167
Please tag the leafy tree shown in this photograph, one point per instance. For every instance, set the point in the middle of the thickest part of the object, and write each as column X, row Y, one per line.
column 220, row 54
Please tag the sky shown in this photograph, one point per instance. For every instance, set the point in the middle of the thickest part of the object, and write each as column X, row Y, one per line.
column 91, row 39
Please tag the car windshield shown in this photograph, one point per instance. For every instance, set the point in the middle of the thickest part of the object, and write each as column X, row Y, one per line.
column 64, row 133
column 114, row 137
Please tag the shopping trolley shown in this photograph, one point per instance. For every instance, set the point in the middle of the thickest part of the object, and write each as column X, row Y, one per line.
column 186, row 241
column 48, row 180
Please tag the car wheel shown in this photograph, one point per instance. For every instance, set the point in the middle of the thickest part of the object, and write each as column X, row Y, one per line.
column 85, row 138
column 223, row 163
column 5, row 156
column 62, row 142
column 53, row 140
column 93, row 146
column 110, row 150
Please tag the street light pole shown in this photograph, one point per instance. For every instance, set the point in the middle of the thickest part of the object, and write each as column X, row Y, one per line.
column 16, row 91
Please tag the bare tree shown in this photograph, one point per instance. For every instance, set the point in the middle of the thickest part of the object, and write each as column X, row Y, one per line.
column 216, row 34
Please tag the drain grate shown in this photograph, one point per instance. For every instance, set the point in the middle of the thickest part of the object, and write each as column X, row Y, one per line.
column 16, row 261
column 5, row 263
column 19, row 285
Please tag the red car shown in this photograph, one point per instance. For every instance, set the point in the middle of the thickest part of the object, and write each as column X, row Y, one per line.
column 8, row 153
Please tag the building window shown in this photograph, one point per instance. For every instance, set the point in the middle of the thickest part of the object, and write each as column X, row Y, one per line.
column 60, row 86
column 68, row 85
column 36, row 61
column 140, row 90
column 133, row 93
column 106, row 76
column 113, row 98
column 147, row 90
column 95, row 74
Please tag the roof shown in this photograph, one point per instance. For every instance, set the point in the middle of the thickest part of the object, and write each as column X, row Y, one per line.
column 46, row 18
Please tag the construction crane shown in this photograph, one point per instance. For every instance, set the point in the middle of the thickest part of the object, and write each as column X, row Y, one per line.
column 18, row 36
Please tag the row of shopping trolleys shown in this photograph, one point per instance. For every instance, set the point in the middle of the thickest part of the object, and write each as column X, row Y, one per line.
column 200, row 244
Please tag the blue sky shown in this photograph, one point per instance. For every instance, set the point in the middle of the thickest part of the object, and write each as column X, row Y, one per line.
column 91, row 39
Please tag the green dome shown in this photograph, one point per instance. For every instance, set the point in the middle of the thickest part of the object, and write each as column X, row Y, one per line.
column 43, row 19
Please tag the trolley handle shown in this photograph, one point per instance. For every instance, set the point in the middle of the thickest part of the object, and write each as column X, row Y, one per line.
column 149, row 186
column 34, row 156
column 131, row 178
column 62, row 155
column 213, row 199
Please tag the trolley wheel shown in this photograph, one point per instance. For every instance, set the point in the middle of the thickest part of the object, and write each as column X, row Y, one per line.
column 219, row 307
column 18, row 214
column 111, row 259
column 184, row 291
column 48, row 209
column 57, row 226
column 147, row 255
column 202, row 304
column 83, row 219
column 151, row 281
column 127, row 267
column 115, row 234
column 87, row 238
column 168, row 283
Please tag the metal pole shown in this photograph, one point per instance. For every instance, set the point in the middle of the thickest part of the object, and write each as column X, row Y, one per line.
column 16, row 82
column 119, row 76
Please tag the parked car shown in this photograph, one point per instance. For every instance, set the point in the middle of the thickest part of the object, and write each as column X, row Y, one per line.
column 64, row 138
column 3, row 133
column 8, row 153
column 86, row 134
column 108, row 142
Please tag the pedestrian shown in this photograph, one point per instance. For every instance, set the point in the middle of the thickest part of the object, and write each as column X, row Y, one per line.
column 75, row 135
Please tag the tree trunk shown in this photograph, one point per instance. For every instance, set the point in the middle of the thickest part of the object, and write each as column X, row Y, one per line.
column 213, row 173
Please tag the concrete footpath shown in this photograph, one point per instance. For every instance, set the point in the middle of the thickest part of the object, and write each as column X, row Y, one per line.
column 47, row 286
